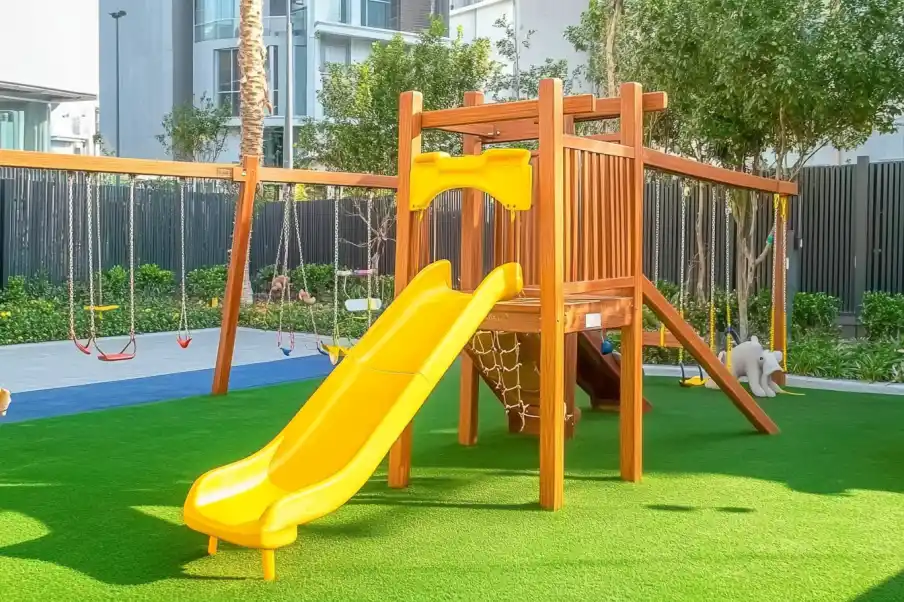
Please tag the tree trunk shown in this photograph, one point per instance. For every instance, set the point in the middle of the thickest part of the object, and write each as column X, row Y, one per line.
column 611, row 34
column 253, row 95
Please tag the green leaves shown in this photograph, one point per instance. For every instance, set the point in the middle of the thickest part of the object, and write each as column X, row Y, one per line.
column 359, row 131
column 196, row 132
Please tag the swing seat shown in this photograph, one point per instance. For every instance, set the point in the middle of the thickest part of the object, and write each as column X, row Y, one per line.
column 694, row 381
column 86, row 348
column 287, row 351
column 334, row 352
column 184, row 343
column 359, row 305
column 101, row 308
column 116, row 357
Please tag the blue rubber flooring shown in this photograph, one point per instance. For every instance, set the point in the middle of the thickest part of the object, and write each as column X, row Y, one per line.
column 46, row 403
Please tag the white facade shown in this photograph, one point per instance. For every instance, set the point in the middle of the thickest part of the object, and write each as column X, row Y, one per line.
column 549, row 20
column 173, row 51
column 48, row 75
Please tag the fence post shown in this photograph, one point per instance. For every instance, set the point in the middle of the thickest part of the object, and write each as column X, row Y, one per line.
column 861, row 226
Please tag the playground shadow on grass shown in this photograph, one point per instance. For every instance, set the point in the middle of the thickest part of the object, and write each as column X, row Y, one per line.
column 830, row 442
column 891, row 590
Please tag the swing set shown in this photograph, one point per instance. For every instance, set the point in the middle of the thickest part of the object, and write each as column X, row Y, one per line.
column 96, row 307
column 335, row 350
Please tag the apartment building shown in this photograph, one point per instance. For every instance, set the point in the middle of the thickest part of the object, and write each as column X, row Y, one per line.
column 173, row 51
column 48, row 87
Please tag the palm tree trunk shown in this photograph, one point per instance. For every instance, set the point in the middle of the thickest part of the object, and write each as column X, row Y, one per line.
column 253, row 95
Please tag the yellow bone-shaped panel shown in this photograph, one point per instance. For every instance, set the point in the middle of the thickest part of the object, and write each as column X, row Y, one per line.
column 504, row 174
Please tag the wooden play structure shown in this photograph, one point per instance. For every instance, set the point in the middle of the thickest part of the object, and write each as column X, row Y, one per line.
column 580, row 246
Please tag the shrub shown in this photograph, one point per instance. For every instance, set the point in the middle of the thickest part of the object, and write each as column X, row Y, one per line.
column 883, row 315
column 116, row 282
column 319, row 277
column 14, row 291
column 815, row 311
column 206, row 283
column 150, row 279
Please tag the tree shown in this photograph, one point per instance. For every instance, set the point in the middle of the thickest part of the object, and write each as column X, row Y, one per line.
column 519, row 82
column 359, row 129
column 597, row 34
column 253, row 97
column 196, row 132
column 760, row 85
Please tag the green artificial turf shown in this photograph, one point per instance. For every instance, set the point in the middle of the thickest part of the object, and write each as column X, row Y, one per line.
column 90, row 507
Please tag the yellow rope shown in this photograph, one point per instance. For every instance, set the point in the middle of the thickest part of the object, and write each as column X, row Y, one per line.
column 780, row 207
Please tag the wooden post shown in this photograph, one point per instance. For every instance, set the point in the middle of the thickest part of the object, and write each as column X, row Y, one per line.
column 631, row 402
column 552, row 297
column 472, row 206
column 232, row 298
column 780, row 265
column 407, row 251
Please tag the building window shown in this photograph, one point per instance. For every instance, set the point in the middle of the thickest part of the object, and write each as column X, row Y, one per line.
column 229, row 77
column 338, row 11
column 216, row 19
column 378, row 13
column 334, row 50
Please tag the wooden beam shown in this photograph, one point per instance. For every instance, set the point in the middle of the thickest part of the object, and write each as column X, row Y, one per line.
column 706, row 358
column 499, row 112
column 232, row 298
column 552, row 297
column 710, row 173
column 472, row 210
column 598, row 147
column 117, row 165
column 327, row 178
column 652, row 338
column 615, row 137
column 514, row 131
column 611, row 286
column 631, row 394
column 521, row 316
column 609, row 108
column 407, row 251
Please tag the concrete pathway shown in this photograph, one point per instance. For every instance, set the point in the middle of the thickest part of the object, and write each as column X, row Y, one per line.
column 39, row 366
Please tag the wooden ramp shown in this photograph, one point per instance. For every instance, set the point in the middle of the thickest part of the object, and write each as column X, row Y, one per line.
column 705, row 357
column 600, row 375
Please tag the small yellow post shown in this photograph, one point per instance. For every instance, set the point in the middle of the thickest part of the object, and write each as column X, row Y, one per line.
column 212, row 545
column 268, row 558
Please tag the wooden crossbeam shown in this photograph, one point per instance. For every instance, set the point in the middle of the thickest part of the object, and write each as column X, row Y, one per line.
column 710, row 173
column 598, row 146
column 451, row 119
column 118, row 165
column 609, row 108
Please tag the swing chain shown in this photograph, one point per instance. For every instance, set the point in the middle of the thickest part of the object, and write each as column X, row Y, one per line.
column 728, row 338
column 90, row 219
column 712, row 272
column 131, row 257
column 284, row 250
column 370, row 267
column 100, row 267
column 337, row 195
column 183, row 318
column 685, row 191
column 304, row 275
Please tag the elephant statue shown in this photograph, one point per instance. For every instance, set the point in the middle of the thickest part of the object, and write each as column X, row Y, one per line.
column 749, row 359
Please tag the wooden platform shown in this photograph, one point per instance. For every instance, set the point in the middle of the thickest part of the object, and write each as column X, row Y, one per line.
column 582, row 312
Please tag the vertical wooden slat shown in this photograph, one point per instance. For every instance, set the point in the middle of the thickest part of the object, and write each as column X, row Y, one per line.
column 569, row 211
column 472, row 216
column 575, row 216
column 631, row 398
column 586, row 216
column 233, row 296
column 552, row 299
column 407, row 251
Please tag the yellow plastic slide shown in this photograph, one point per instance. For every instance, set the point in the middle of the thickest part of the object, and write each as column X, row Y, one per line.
column 340, row 436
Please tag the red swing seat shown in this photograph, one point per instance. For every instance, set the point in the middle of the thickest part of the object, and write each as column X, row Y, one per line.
column 184, row 343
column 122, row 356
column 86, row 348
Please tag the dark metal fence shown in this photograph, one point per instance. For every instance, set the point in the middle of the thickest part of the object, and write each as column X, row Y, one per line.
column 849, row 221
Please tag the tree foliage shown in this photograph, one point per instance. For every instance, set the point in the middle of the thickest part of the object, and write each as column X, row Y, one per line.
column 359, row 129
column 759, row 85
column 196, row 132
column 519, row 81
